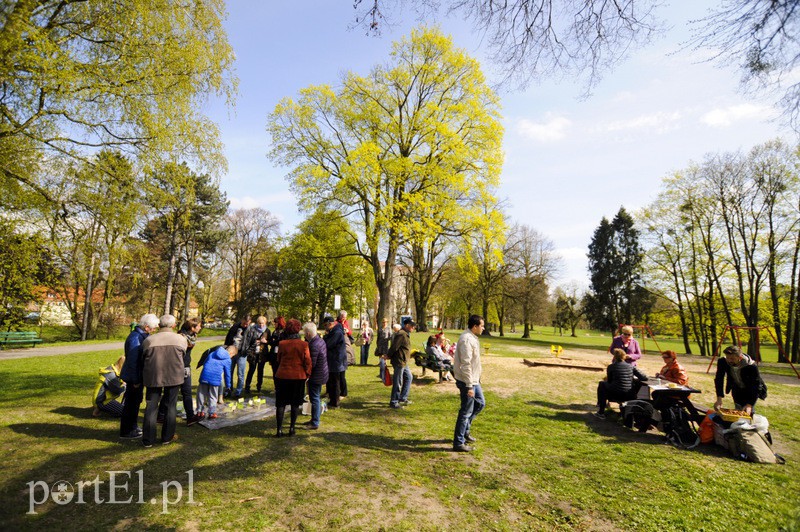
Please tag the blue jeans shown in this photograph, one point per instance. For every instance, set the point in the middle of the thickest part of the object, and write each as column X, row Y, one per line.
column 240, row 364
column 401, row 384
column 382, row 366
column 470, row 408
column 364, row 354
column 314, row 391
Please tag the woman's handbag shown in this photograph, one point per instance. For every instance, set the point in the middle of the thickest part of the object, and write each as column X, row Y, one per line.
column 359, row 340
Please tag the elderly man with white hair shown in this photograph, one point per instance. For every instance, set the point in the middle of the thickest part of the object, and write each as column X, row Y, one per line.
column 131, row 373
column 162, row 356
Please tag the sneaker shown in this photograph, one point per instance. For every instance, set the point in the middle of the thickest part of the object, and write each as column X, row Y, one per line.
column 192, row 420
column 599, row 415
column 213, row 416
column 171, row 440
column 395, row 405
column 470, row 439
column 201, row 415
column 463, row 448
column 147, row 444
column 132, row 435
column 310, row 427
column 406, row 402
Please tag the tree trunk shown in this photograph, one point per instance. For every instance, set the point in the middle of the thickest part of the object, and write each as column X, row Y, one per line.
column 173, row 259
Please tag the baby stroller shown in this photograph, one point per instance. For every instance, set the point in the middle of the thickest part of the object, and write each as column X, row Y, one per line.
column 671, row 412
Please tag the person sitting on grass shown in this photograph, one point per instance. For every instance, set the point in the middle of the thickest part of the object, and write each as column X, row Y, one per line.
column 622, row 383
column 216, row 365
column 107, row 393
column 672, row 370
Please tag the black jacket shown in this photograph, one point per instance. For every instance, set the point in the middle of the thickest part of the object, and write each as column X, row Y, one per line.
column 748, row 395
column 620, row 376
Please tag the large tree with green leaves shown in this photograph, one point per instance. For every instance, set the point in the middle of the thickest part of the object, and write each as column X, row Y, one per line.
column 615, row 267
column 78, row 76
column 421, row 132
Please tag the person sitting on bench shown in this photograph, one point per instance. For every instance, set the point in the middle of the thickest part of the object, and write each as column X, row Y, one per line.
column 672, row 370
column 621, row 384
column 107, row 393
column 434, row 351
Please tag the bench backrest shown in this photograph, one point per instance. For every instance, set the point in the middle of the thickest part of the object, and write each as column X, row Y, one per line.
column 13, row 335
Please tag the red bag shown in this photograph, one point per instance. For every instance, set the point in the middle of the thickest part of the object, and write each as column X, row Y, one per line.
column 387, row 377
column 706, row 431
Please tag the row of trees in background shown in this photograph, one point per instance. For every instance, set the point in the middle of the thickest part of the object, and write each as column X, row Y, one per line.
column 723, row 248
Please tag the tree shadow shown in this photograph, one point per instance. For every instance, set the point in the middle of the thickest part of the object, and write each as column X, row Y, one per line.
column 81, row 413
column 61, row 430
column 388, row 443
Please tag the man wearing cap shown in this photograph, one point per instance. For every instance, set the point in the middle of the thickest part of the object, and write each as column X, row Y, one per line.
column 400, row 353
column 467, row 371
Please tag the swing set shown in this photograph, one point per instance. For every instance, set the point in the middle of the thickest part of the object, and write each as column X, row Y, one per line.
column 734, row 329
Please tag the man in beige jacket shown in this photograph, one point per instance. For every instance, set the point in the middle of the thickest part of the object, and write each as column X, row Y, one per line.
column 467, row 371
column 162, row 356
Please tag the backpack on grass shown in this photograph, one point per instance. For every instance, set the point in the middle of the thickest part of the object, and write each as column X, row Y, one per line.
column 638, row 414
column 678, row 427
column 751, row 446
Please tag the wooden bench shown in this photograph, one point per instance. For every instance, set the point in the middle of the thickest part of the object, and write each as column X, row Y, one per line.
column 19, row 337
column 428, row 362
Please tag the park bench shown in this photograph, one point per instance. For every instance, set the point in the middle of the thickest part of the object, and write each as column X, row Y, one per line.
column 421, row 358
column 19, row 337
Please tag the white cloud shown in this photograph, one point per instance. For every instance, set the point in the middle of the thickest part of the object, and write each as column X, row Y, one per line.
column 553, row 129
column 660, row 122
column 726, row 116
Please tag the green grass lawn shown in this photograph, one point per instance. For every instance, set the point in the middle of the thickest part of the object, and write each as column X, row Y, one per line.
column 541, row 462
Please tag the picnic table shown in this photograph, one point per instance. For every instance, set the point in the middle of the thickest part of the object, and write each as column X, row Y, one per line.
column 19, row 338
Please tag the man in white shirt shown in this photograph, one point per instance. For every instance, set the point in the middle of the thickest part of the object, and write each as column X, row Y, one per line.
column 467, row 370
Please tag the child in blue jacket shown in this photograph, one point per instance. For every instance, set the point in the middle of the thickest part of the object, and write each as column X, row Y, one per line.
column 217, row 363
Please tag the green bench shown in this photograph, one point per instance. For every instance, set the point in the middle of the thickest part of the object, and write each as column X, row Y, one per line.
column 19, row 337
column 421, row 358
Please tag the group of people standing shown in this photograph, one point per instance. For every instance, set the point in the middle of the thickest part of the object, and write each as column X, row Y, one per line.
column 157, row 366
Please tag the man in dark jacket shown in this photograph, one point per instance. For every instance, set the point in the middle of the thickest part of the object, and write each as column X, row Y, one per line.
column 400, row 354
column 743, row 379
column 337, row 358
column 319, row 372
column 239, row 362
column 131, row 374
column 163, row 372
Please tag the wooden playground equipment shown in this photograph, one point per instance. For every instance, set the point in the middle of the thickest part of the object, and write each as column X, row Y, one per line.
column 757, row 356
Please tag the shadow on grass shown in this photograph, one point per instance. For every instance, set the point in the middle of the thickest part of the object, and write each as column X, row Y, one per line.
column 61, row 430
column 158, row 464
column 78, row 412
column 19, row 387
column 388, row 443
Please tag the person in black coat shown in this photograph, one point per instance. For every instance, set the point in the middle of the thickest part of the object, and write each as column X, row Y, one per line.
column 743, row 379
column 622, row 383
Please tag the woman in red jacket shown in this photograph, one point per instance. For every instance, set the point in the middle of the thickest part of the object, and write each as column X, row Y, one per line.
column 293, row 368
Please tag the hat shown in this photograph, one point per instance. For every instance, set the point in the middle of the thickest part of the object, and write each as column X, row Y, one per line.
column 328, row 319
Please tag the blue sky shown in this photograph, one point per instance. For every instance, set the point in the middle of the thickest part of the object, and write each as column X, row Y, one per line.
column 569, row 161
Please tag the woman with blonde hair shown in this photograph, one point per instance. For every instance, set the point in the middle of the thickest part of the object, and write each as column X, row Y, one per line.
column 628, row 344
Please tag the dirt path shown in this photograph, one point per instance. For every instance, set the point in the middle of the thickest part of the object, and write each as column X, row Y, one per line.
column 30, row 352
column 651, row 363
